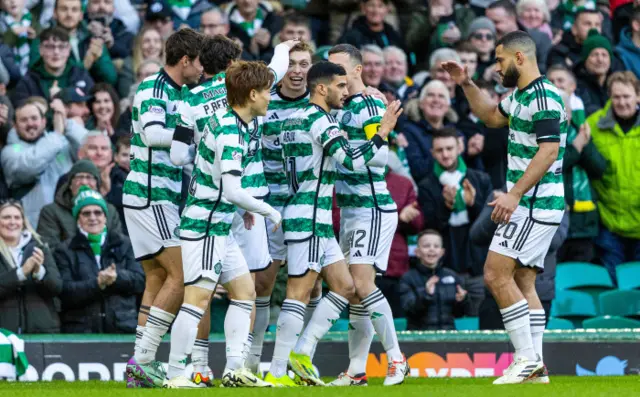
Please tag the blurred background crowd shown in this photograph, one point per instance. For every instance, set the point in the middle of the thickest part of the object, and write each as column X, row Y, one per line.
column 69, row 70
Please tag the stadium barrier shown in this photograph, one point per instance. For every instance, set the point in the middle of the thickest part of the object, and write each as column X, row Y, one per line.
column 430, row 354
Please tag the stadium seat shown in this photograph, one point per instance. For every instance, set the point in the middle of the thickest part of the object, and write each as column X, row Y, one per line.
column 628, row 275
column 579, row 275
column 467, row 323
column 559, row 323
column 400, row 323
column 340, row 325
column 620, row 303
column 574, row 306
column 611, row 322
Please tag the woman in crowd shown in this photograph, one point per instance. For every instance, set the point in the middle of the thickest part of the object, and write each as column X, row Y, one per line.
column 101, row 276
column 29, row 278
column 105, row 110
column 148, row 45
column 534, row 14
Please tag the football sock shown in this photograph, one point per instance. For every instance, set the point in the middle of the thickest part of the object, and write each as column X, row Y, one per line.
column 516, row 323
column 290, row 323
column 182, row 338
column 382, row 318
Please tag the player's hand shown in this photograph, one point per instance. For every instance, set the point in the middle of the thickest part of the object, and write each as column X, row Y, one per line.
column 276, row 227
column 459, row 73
column 388, row 122
column 249, row 220
column 504, row 206
column 461, row 293
column 276, row 219
column 431, row 284
column 374, row 92
column 409, row 213
column 468, row 193
column 291, row 43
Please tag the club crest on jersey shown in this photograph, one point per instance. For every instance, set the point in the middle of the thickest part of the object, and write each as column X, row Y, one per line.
column 346, row 118
column 252, row 148
column 237, row 156
column 517, row 111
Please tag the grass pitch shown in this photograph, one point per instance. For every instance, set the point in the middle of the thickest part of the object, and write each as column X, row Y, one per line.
column 622, row 386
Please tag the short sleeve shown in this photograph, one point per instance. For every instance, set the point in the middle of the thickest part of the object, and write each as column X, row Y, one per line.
column 505, row 105
column 229, row 150
column 325, row 130
column 372, row 116
column 547, row 113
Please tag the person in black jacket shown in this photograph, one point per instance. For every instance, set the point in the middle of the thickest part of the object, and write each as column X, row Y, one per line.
column 430, row 293
column 451, row 197
column 255, row 23
column 29, row 278
column 568, row 51
column 102, row 23
column 371, row 27
column 101, row 276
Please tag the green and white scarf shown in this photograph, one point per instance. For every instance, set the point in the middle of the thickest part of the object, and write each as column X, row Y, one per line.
column 251, row 27
column 95, row 242
column 569, row 11
column 182, row 8
column 13, row 361
column 459, row 215
column 23, row 44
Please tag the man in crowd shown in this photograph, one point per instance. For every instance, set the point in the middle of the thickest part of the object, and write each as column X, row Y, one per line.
column 255, row 23
column 373, row 66
column 103, row 23
column 34, row 159
column 396, row 79
column 371, row 28
column 629, row 48
column 568, row 51
column 596, row 64
column 159, row 16
column 482, row 37
column 53, row 70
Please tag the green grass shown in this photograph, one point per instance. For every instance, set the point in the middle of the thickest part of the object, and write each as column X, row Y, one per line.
column 622, row 386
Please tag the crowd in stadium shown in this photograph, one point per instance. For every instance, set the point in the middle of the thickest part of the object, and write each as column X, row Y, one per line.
column 69, row 70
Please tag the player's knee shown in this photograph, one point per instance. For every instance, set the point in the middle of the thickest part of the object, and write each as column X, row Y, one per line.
column 492, row 278
column 346, row 290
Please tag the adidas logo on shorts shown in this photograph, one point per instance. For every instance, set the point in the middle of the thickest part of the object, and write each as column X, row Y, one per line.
column 504, row 244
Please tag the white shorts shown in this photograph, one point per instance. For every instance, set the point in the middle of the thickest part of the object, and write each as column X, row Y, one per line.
column 277, row 247
column 524, row 239
column 253, row 243
column 212, row 260
column 313, row 254
column 152, row 229
column 366, row 235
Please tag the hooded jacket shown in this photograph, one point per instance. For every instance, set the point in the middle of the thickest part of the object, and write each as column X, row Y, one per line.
column 360, row 35
column 57, row 223
column 32, row 169
column 628, row 52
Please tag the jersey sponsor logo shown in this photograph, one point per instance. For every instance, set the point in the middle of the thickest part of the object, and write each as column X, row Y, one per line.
column 346, row 118
column 214, row 93
column 289, row 136
column 156, row 109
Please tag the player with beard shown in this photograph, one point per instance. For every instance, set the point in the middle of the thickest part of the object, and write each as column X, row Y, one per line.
column 529, row 214
column 312, row 146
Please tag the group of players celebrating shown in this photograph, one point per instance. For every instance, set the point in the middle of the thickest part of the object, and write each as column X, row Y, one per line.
column 266, row 146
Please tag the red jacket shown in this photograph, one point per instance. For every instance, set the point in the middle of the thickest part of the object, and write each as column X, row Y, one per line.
column 403, row 194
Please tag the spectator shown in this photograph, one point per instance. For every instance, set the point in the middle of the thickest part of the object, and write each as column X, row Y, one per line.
column 53, row 70
column 482, row 36
column 468, row 57
column 582, row 163
column 451, row 197
column 188, row 13
column 103, row 24
column 10, row 72
column 534, row 15
column 34, row 159
column 255, row 23
column 615, row 130
column 102, row 279
column 373, row 66
column 564, row 79
column 569, row 51
column 566, row 14
column 6, row 118
column 629, row 48
column 148, row 45
column 29, row 277
column 621, row 17
column 410, row 222
column 159, row 17
column 57, row 223
column 593, row 70
column 214, row 22
column 396, row 80
column 146, row 69
column 97, row 149
column 118, row 176
column 18, row 29
column 370, row 28
column 75, row 102
column 431, row 294
column 295, row 26
column 439, row 24
column 105, row 110
column 504, row 16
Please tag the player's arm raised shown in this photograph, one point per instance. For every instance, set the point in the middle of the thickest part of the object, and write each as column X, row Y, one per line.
column 481, row 105
column 337, row 146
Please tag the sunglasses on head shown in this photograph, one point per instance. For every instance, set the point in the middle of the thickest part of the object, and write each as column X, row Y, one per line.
column 480, row 36
column 10, row 201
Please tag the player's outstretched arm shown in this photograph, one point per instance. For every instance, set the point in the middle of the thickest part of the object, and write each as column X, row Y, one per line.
column 481, row 105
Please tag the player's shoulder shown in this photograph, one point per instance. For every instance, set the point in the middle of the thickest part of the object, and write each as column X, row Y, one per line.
column 319, row 118
column 544, row 94
column 364, row 105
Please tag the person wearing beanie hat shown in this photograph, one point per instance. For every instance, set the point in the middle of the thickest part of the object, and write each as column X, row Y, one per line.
column 595, row 40
column 482, row 36
column 57, row 221
column 481, row 23
column 90, row 211
column 592, row 71
column 87, row 196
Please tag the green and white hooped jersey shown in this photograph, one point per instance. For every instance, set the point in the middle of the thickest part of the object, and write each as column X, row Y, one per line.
column 312, row 145
column 200, row 103
column 280, row 108
column 221, row 150
column 153, row 178
column 537, row 114
column 365, row 187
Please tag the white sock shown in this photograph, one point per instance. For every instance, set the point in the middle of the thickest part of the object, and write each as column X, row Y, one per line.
column 260, row 325
column 237, row 324
column 325, row 315
column 537, row 323
column 311, row 307
column 139, row 332
column 182, row 338
column 360, row 337
column 158, row 322
column 382, row 318
column 200, row 356
column 516, row 323
column 247, row 347
column 290, row 323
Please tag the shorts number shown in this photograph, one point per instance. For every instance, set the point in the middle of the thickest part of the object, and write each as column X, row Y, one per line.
column 509, row 230
column 357, row 237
